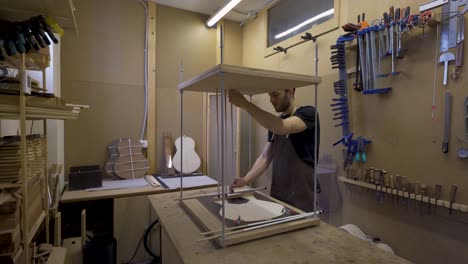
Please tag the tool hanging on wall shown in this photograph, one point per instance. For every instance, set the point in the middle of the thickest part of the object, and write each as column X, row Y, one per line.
column 20, row 37
column 460, row 41
column 446, row 58
column 448, row 102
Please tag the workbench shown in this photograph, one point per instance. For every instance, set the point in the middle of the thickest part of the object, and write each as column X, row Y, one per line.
column 319, row 244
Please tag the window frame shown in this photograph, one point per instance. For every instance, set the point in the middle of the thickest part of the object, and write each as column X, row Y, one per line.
column 328, row 25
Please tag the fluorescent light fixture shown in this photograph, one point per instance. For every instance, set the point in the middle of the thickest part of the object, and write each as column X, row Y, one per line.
column 315, row 18
column 222, row 12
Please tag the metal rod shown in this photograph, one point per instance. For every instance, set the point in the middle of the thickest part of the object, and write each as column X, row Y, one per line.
column 301, row 216
column 217, row 195
column 181, row 140
column 256, row 223
column 223, row 135
column 233, row 158
column 316, row 128
column 181, row 77
column 218, row 142
column 250, row 137
column 300, row 42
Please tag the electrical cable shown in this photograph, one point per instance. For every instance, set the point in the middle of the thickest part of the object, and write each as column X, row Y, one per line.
column 147, row 248
column 156, row 258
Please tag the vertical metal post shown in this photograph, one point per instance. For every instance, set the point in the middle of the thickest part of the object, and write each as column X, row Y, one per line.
column 316, row 128
column 181, row 129
column 250, row 138
column 223, row 136
column 218, row 142
column 181, row 140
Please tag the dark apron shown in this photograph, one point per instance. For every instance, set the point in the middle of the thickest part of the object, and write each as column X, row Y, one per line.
column 293, row 179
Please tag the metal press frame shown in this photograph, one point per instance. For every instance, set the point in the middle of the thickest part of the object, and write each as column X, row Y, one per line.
column 222, row 129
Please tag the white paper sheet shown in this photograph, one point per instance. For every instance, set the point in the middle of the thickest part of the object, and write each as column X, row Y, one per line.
column 188, row 181
column 120, row 184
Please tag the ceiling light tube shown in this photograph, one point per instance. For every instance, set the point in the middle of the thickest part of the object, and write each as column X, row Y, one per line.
column 315, row 18
column 222, row 12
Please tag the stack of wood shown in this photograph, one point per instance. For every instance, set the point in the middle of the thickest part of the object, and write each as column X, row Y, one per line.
column 10, row 157
column 10, row 226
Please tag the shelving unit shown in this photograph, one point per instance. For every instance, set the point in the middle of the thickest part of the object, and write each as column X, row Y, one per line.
column 407, row 195
column 32, row 184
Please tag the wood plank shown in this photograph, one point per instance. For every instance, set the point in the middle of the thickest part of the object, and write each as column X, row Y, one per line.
column 248, row 81
column 151, row 55
column 58, row 230
column 57, row 256
column 74, row 250
column 322, row 244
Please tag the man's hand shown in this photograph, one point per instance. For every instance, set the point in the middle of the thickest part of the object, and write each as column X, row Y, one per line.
column 238, row 99
column 238, row 182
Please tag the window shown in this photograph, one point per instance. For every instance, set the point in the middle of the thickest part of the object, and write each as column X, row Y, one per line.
column 286, row 17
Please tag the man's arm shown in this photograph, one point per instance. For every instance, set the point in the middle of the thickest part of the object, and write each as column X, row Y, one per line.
column 271, row 122
column 259, row 167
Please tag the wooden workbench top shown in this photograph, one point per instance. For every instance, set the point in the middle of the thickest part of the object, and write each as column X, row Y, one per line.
column 81, row 196
column 320, row 244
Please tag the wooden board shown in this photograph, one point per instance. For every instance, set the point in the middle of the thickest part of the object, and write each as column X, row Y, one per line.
column 322, row 244
column 210, row 220
column 248, row 81
column 57, row 256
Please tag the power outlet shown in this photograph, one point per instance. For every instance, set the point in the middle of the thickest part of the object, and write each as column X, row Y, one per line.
column 144, row 143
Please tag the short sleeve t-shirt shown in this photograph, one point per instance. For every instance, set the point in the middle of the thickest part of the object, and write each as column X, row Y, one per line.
column 304, row 142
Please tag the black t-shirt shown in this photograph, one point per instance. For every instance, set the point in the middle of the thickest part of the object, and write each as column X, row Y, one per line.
column 304, row 142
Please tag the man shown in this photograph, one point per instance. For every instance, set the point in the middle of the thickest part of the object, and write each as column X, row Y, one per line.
column 291, row 147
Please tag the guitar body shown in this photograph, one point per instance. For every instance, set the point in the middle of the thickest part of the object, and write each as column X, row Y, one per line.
column 129, row 163
column 190, row 159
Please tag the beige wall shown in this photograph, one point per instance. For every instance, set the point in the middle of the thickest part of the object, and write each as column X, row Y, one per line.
column 103, row 68
column 405, row 140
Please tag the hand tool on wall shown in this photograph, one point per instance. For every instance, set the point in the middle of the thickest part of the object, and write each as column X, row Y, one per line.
column 445, row 143
column 397, row 25
column 460, row 40
column 448, row 35
column 398, row 187
column 437, row 194
column 382, row 49
column 362, row 59
column 423, row 192
column 411, row 194
column 405, row 16
column 373, row 54
column 404, row 188
column 369, row 66
column 357, row 86
column 392, row 43
column 445, row 58
column 453, row 194
column 386, row 181
column 371, row 174
column 417, row 194
column 387, row 33
column 430, row 194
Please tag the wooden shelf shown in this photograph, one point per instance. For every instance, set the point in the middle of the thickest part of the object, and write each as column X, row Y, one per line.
column 10, row 185
column 411, row 196
column 35, row 60
column 248, row 81
column 36, row 226
column 63, row 11
column 38, row 107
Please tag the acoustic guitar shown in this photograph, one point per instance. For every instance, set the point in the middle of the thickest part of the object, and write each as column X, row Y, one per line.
column 190, row 159
column 130, row 162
